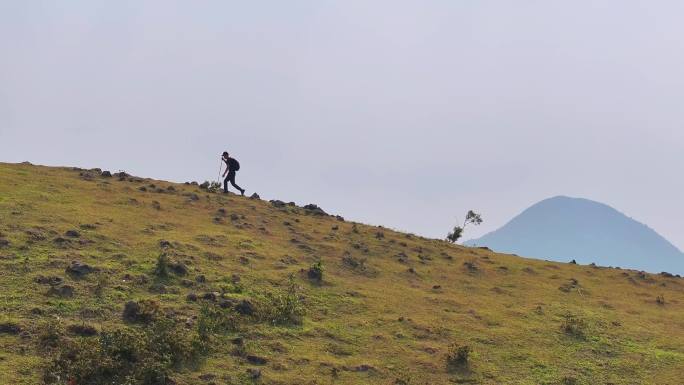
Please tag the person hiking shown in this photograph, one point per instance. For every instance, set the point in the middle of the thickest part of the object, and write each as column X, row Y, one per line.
column 232, row 165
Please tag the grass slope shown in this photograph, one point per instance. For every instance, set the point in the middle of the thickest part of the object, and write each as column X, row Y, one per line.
column 388, row 321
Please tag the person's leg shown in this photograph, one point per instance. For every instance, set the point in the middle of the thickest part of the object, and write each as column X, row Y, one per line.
column 231, row 177
column 225, row 184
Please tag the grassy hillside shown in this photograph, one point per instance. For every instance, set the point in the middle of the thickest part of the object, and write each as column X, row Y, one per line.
column 389, row 310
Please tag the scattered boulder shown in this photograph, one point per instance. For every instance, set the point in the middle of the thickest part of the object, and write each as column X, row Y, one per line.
column 359, row 368
column 65, row 291
column 4, row 242
column 314, row 209
column 573, row 262
column 106, row 174
column 9, row 327
column 178, row 268
column 315, row 274
column 256, row 360
column 163, row 243
column 72, row 234
column 122, row 175
column 143, row 311
column 226, row 303
column 570, row 285
column 245, row 307
column 85, row 175
column 471, row 267
column 82, row 330
column 278, row 203
column 255, row 196
column 191, row 297
column 210, row 296
column 201, row 278
column 52, row 280
column 79, row 269
column 204, row 185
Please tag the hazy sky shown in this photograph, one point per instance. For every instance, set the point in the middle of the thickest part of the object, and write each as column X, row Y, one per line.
column 401, row 113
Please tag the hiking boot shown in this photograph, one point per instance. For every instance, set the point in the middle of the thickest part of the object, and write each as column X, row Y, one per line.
column 242, row 192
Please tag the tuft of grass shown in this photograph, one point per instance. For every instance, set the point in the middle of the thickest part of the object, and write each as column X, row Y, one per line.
column 574, row 326
column 457, row 356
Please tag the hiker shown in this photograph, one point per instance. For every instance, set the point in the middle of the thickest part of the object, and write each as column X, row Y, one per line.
column 232, row 165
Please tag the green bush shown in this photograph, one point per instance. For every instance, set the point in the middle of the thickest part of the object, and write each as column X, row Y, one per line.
column 283, row 307
column 128, row 355
column 315, row 272
column 213, row 319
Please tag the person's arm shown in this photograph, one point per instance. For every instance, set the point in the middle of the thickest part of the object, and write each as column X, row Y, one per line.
column 226, row 162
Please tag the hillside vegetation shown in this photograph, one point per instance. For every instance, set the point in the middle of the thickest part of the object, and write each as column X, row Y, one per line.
column 171, row 283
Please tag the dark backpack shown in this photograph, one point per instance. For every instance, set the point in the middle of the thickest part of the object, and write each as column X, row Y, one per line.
column 234, row 164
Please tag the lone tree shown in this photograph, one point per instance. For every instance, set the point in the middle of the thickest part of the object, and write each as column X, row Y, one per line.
column 471, row 218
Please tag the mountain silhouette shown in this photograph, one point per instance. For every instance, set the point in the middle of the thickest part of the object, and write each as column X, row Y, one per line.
column 563, row 228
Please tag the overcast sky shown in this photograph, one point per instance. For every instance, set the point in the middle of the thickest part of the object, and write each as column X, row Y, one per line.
column 400, row 113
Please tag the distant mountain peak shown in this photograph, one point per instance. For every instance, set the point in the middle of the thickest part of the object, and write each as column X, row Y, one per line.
column 563, row 228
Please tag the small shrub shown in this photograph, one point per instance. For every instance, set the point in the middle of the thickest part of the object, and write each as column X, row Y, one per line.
column 284, row 307
column 212, row 187
column 50, row 333
column 143, row 311
column 457, row 356
column 574, row 326
column 102, row 283
column 232, row 288
column 213, row 319
column 161, row 269
column 128, row 355
column 315, row 272
column 660, row 300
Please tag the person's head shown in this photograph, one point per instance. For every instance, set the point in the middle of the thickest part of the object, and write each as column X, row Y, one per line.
column 225, row 154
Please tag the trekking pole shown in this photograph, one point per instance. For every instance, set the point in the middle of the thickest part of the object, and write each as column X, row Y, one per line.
column 220, row 168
